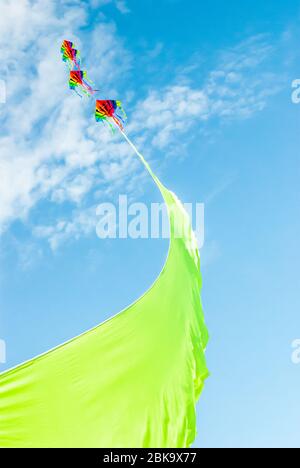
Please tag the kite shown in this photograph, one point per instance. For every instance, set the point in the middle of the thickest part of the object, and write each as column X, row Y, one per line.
column 130, row 382
column 79, row 81
column 70, row 55
column 110, row 111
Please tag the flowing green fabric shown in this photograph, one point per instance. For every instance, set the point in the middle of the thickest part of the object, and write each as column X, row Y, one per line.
column 132, row 381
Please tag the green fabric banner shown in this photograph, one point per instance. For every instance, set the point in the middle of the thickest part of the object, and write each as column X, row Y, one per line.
column 132, row 381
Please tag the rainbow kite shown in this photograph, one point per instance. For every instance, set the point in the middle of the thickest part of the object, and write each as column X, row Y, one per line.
column 110, row 111
column 132, row 381
column 70, row 55
column 79, row 82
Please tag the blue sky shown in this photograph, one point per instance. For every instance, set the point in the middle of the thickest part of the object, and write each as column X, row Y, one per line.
column 207, row 88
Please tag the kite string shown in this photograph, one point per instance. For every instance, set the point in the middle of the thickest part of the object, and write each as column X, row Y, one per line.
column 156, row 180
column 164, row 192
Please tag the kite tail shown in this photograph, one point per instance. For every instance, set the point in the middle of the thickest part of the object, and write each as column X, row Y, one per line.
column 110, row 125
column 88, row 88
column 77, row 63
column 122, row 110
column 89, row 84
column 74, row 89
column 118, row 121
column 121, row 117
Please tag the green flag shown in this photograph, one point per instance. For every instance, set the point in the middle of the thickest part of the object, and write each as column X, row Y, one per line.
column 132, row 381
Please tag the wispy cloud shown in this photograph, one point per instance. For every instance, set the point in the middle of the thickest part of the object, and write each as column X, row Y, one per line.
column 237, row 88
column 121, row 5
column 82, row 223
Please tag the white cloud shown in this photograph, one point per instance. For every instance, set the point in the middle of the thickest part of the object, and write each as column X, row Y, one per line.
column 241, row 84
column 122, row 7
column 156, row 51
column 170, row 111
column 82, row 223
column 237, row 88
column 47, row 147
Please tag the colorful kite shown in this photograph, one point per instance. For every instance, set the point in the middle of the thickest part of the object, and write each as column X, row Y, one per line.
column 79, row 82
column 134, row 380
column 70, row 55
column 110, row 111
